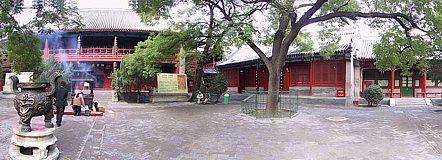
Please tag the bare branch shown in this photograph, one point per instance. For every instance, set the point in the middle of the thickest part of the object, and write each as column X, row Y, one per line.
column 258, row 51
column 307, row 15
column 304, row 5
column 343, row 20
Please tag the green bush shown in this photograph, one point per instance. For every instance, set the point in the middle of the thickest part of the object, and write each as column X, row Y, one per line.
column 373, row 94
column 217, row 85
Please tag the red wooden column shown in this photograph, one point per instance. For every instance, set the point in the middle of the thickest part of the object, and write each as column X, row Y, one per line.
column 311, row 79
column 46, row 50
column 424, row 84
column 392, row 83
column 256, row 77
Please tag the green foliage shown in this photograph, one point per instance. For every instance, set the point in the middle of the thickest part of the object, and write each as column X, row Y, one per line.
column 152, row 9
column 118, row 84
column 329, row 42
column 22, row 45
column 23, row 52
column 142, row 67
column 217, row 85
column 397, row 51
column 435, row 72
column 48, row 68
column 373, row 95
column 59, row 13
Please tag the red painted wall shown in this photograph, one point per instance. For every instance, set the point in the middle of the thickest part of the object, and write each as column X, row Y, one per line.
column 263, row 78
column 329, row 73
column 300, row 74
column 232, row 76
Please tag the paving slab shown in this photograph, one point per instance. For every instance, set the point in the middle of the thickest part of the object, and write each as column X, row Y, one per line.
column 184, row 130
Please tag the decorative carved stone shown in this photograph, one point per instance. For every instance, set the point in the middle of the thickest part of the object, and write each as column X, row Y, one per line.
column 38, row 144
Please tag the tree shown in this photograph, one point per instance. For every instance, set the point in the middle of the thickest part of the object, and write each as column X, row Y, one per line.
column 48, row 68
column 291, row 16
column 22, row 45
column 217, row 86
column 205, row 36
column 24, row 52
column 373, row 95
column 142, row 67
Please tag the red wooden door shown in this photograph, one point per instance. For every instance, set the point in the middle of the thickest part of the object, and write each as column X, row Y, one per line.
column 241, row 85
column 286, row 79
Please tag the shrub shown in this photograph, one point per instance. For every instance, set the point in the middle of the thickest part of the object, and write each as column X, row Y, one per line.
column 217, row 85
column 373, row 94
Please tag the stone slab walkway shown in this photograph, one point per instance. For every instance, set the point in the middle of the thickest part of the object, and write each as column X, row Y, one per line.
column 190, row 131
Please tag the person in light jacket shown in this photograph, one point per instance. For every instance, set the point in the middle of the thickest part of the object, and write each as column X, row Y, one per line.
column 77, row 103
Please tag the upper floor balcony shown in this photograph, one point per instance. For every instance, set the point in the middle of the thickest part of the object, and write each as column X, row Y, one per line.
column 94, row 55
column 90, row 54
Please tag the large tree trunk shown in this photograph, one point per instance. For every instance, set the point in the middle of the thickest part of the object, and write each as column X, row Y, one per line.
column 200, row 73
column 197, row 82
column 274, row 83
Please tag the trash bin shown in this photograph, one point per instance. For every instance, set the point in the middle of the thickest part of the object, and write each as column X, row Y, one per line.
column 226, row 98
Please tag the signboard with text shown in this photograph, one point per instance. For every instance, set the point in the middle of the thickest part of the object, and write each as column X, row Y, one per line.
column 172, row 83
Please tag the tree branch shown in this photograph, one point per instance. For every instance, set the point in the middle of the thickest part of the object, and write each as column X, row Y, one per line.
column 296, row 27
column 405, row 48
column 15, row 23
column 304, row 5
column 307, row 15
column 337, row 9
column 258, row 51
column 280, row 33
column 248, row 41
column 355, row 15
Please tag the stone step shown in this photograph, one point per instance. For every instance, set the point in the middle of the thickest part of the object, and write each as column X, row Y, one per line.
column 409, row 102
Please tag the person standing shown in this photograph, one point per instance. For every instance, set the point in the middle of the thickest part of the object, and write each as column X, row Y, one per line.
column 77, row 102
column 61, row 95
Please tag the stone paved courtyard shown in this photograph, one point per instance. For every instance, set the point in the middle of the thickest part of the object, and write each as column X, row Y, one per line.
column 189, row 131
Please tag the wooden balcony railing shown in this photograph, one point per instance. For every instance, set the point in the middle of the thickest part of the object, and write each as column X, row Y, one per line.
column 91, row 53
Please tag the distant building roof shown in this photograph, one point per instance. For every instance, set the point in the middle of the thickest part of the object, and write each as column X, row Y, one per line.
column 351, row 41
column 112, row 20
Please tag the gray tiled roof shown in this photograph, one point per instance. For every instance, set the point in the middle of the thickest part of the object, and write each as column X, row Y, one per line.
column 112, row 20
column 364, row 48
column 244, row 54
column 360, row 45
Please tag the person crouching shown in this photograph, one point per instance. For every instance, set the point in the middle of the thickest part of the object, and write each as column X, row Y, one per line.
column 77, row 102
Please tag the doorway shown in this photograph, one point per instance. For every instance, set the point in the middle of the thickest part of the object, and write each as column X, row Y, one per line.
column 407, row 86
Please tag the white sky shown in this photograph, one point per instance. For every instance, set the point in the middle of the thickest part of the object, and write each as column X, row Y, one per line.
column 95, row 3
column 102, row 4
column 124, row 4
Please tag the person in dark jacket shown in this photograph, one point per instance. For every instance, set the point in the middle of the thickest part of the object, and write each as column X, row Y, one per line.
column 61, row 95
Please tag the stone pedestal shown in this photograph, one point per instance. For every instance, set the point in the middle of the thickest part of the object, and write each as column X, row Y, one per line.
column 37, row 144
column 169, row 97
